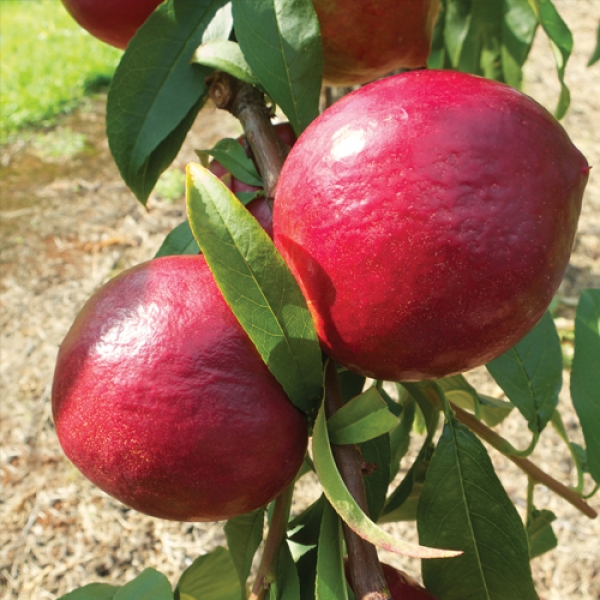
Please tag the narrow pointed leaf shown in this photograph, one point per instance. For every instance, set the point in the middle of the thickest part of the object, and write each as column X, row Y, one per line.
column 518, row 31
column 344, row 504
column 331, row 580
column 530, row 373
column 464, row 506
column 156, row 92
column 561, row 42
column 376, row 455
column 307, row 573
column 304, row 529
column 258, row 286
column 351, row 384
column 93, row 591
column 400, row 437
column 287, row 585
column 150, row 584
column 585, row 376
column 231, row 155
column 540, row 534
column 460, row 392
column 409, row 486
column 281, row 42
column 225, row 56
column 179, row 241
column 244, row 535
column 363, row 418
column 211, row 575
column 596, row 54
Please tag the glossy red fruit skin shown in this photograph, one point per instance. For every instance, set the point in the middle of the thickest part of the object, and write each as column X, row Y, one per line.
column 112, row 21
column 365, row 40
column 428, row 218
column 401, row 585
column 162, row 401
column 258, row 208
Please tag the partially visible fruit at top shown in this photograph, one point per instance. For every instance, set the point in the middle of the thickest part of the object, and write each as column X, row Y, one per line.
column 112, row 21
column 366, row 40
column 428, row 218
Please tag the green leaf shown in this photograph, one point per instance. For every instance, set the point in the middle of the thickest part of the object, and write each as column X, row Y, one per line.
column 540, row 535
column 337, row 493
column 287, row 584
column 464, row 506
column 93, row 591
column 258, row 285
column 211, row 576
column 400, row 437
column 351, row 384
column 156, row 92
column 281, row 41
column 458, row 19
column 596, row 55
column 225, row 56
column 246, row 197
column 518, row 31
column 304, row 528
column 150, row 584
column 460, row 392
column 363, row 418
column 410, row 486
column 179, row 241
column 331, row 580
column 231, row 155
column 530, row 373
column 437, row 56
column 585, row 376
column 376, row 454
column 244, row 535
column 307, row 573
column 561, row 42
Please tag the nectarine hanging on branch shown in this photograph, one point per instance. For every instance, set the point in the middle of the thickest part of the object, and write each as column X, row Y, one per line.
column 161, row 399
column 428, row 218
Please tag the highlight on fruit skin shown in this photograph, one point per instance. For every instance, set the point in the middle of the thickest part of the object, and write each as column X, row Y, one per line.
column 161, row 399
column 366, row 40
column 428, row 218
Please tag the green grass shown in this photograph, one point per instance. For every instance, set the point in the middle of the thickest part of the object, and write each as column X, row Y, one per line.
column 47, row 64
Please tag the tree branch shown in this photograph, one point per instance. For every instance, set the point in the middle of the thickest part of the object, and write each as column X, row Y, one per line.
column 247, row 103
column 533, row 471
column 368, row 580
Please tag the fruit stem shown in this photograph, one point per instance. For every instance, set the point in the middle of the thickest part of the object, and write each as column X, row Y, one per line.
column 533, row 471
column 267, row 568
column 247, row 103
column 365, row 569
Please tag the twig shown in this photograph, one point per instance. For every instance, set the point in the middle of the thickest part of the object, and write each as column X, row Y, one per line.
column 368, row 580
column 533, row 471
column 247, row 103
column 276, row 536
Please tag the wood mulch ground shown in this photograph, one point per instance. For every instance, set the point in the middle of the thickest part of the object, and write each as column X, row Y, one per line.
column 68, row 226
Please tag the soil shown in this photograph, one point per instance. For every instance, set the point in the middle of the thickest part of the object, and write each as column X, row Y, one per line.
column 69, row 223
